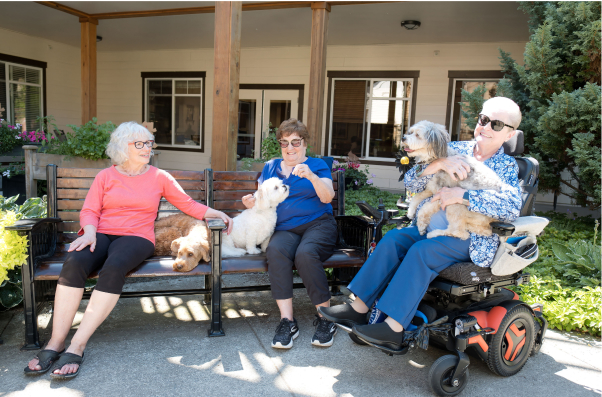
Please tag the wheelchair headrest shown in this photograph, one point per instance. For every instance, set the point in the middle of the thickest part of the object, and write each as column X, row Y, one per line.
column 515, row 145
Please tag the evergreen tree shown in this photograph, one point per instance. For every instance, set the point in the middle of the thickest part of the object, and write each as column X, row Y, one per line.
column 558, row 91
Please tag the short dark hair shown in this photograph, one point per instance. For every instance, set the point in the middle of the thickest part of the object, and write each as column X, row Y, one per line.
column 292, row 126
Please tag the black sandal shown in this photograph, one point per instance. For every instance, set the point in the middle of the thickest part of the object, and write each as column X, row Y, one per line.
column 46, row 358
column 66, row 359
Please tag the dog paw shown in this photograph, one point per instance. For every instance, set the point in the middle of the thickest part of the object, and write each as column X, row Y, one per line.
column 253, row 251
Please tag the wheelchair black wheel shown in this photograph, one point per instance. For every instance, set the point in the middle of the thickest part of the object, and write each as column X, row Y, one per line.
column 440, row 376
column 512, row 344
column 356, row 339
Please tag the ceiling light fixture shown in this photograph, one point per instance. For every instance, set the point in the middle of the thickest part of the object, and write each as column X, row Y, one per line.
column 410, row 25
column 98, row 38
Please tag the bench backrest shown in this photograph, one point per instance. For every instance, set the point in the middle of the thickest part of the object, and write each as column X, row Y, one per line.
column 228, row 187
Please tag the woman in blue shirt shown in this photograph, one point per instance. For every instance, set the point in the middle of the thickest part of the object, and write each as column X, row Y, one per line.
column 405, row 262
column 305, row 233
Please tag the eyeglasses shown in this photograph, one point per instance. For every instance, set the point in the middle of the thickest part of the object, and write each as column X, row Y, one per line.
column 496, row 125
column 295, row 142
column 140, row 144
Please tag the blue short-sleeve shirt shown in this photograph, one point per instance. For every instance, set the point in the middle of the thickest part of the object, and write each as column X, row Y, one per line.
column 302, row 204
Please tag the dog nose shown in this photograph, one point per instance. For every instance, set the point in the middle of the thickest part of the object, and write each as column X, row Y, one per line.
column 179, row 266
column 285, row 187
column 403, row 138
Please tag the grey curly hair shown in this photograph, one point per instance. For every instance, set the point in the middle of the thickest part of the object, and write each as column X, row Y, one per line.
column 127, row 132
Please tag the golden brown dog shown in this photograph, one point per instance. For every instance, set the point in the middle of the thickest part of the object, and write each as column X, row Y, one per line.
column 184, row 237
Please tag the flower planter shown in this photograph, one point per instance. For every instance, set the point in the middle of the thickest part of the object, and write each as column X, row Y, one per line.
column 13, row 186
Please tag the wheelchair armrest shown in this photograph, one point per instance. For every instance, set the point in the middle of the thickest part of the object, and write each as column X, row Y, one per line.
column 502, row 229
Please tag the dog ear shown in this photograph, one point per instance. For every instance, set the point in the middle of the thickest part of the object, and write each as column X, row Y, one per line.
column 175, row 245
column 438, row 139
column 205, row 254
column 261, row 201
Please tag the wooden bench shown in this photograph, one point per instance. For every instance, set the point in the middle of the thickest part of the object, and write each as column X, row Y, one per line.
column 67, row 188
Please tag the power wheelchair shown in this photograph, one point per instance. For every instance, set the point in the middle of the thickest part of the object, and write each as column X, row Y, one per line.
column 469, row 309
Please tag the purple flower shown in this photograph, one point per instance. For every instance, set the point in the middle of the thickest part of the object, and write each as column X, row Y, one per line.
column 373, row 176
column 369, row 182
column 334, row 162
column 355, row 182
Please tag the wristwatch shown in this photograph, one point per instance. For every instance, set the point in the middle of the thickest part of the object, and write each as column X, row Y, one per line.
column 465, row 199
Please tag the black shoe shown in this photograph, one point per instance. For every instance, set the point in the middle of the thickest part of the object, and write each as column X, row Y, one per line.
column 325, row 332
column 285, row 333
column 380, row 335
column 344, row 316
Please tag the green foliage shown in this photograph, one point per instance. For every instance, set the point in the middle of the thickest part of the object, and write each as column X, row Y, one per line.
column 566, row 277
column 12, row 169
column 9, row 136
column 472, row 105
column 558, row 90
column 13, row 248
column 88, row 141
column 371, row 195
column 353, row 171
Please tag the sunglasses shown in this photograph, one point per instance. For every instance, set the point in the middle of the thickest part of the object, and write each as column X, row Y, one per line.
column 140, row 144
column 295, row 142
column 496, row 125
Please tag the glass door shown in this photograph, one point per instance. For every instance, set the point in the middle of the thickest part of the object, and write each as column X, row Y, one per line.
column 257, row 109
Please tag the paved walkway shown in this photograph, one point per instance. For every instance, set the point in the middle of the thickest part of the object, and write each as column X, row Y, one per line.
column 158, row 347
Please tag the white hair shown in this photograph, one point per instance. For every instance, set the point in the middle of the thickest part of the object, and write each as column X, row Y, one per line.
column 127, row 132
column 507, row 105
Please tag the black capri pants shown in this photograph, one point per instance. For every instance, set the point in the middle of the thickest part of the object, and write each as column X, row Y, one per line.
column 307, row 247
column 115, row 256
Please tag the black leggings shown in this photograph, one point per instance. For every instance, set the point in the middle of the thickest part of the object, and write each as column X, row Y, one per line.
column 115, row 256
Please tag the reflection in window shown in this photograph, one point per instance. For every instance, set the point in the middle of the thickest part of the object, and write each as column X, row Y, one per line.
column 369, row 117
column 460, row 131
column 21, row 94
column 246, row 128
column 175, row 108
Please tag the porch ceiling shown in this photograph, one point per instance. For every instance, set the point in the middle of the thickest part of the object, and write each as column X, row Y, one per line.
column 361, row 24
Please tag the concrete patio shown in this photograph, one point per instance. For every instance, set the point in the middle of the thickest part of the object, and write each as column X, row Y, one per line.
column 158, row 347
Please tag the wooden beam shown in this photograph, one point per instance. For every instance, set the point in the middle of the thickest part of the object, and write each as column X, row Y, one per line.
column 317, row 73
column 88, row 74
column 197, row 10
column 226, row 77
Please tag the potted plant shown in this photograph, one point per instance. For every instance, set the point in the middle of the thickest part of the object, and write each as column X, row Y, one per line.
column 355, row 177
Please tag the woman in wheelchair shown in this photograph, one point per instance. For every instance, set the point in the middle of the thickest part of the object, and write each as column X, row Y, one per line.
column 405, row 262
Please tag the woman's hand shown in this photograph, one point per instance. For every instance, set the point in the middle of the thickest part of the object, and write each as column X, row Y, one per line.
column 454, row 166
column 303, row 171
column 88, row 239
column 211, row 213
column 449, row 196
column 248, row 201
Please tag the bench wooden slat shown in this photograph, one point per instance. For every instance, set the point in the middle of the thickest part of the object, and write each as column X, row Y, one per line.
column 71, row 193
column 221, row 195
column 235, row 176
column 192, row 185
column 82, row 183
column 229, row 205
column 77, row 172
column 69, row 215
column 235, row 185
column 69, row 226
column 70, row 204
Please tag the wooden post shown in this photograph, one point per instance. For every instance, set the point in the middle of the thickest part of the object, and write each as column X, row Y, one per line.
column 226, row 78
column 317, row 73
column 31, row 185
column 88, row 50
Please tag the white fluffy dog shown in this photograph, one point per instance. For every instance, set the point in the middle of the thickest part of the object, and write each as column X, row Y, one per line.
column 426, row 142
column 255, row 226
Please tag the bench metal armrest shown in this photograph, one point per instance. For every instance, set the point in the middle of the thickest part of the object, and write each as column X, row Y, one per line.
column 355, row 232
column 215, row 224
column 27, row 225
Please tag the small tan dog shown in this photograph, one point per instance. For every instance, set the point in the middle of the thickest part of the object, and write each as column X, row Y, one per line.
column 184, row 237
column 427, row 141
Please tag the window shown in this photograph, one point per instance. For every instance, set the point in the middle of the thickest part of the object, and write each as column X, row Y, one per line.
column 369, row 114
column 174, row 103
column 469, row 81
column 22, row 90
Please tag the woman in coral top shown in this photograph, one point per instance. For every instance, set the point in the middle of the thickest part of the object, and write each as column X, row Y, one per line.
column 116, row 235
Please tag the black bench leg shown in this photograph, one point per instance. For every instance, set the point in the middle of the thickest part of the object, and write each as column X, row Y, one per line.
column 216, row 287
column 32, row 337
column 207, row 297
column 335, row 290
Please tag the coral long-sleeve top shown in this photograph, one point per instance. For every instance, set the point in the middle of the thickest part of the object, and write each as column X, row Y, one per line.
column 124, row 205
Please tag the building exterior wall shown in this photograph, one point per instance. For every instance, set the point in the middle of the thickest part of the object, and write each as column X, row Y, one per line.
column 63, row 72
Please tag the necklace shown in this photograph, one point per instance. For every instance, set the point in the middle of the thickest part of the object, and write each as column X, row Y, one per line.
column 124, row 171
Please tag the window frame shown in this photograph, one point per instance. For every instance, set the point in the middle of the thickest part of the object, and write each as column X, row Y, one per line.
column 177, row 76
column 28, row 63
column 465, row 75
column 393, row 75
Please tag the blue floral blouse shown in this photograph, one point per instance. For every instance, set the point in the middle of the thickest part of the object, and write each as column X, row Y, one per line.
column 504, row 205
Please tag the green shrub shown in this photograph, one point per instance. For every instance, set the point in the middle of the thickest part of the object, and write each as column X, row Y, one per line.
column 9, row 136
column 88, row 141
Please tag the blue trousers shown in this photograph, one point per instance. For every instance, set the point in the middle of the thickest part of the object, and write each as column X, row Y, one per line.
column 403, row 265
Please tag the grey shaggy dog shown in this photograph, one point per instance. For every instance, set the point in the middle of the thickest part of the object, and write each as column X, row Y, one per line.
column 426, row 142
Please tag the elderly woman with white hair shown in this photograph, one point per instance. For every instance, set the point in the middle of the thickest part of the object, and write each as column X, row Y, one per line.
column 116, row 235
column 405, row 262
